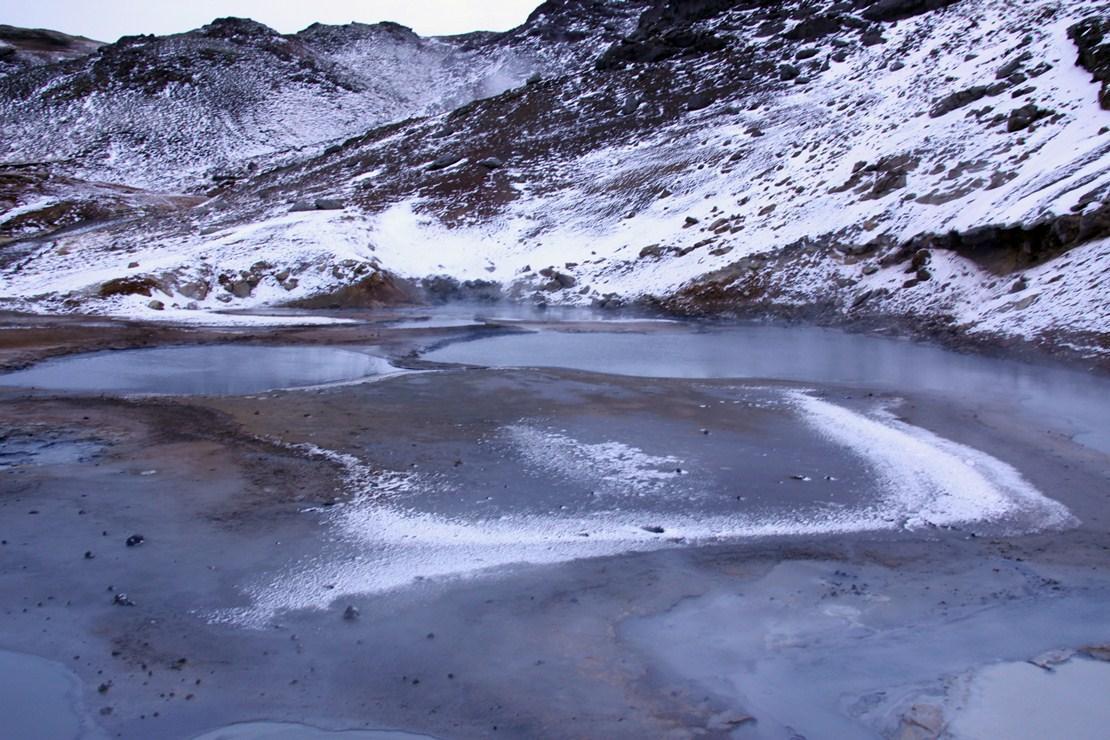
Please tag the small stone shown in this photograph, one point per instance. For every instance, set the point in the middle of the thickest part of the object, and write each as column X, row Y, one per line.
column 653, row 528
column 156, row 305
column 89, row 555
column 121, row 599
column 351, row 613
column 135, row 540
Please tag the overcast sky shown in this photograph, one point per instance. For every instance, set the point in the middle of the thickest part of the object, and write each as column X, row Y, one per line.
column 107, row 20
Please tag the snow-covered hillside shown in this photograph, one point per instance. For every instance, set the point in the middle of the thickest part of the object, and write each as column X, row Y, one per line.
column 943, row 164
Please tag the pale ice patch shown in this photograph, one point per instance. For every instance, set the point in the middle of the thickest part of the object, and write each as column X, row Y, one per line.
column 926, row 479
column 611, row 468
column 376, row 543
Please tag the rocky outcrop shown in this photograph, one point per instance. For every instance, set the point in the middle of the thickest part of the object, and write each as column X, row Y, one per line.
column 1092, row 37
column 1007, row 249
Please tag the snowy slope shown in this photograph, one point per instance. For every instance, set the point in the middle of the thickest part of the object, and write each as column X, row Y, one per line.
column 196, row 109
column 944, row 164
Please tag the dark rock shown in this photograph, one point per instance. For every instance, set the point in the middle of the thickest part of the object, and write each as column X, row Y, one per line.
column 895, row 10
column 813, row 28
column 788, row 72
column 156, row 305
column 806, row 53
column 351, row 613
column 329, row 204
column 691, row 221
column 956, row 100
column 491, row 163
column 1011, row 67
column 534, row 79
column 1024, row 117
column 121, row 599
column 699, row 100
column 1019, row 285
column 302, row 205
column 1092, row 38
column 89, row 555
column 872, row 37
column 135, row 540
column 128, row 286
column 444, row 162
column 653, row 528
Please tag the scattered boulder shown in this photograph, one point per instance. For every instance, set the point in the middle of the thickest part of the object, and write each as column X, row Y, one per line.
column 1024, row 117
column 813, row 28
column 329, row 204
column 788, row 72
column 957, row 100
column 156, row 305
column 443, row 162
column 699, row 101
column 121, row 599
column 302, row 205
column 491, row 163
column 653, row 528
column 351, row 613
column 135, row 540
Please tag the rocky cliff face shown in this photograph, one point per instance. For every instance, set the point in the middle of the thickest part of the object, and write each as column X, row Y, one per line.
column 944, row 164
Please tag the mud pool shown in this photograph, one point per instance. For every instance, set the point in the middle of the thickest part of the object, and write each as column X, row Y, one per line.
column 571, row 528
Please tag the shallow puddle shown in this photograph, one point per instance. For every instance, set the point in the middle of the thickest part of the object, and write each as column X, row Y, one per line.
column 204, row 370
column 40, row 700
column 289, row 731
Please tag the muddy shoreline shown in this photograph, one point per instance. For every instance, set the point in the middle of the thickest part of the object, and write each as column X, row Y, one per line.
column 224, row 489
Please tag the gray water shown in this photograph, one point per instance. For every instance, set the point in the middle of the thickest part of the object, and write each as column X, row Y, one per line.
column 204, row 370
column 289, row 731
column 40, row 700
column 1076, row 402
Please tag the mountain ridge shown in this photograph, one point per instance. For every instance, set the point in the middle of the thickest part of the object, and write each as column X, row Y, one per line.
column 946, row 169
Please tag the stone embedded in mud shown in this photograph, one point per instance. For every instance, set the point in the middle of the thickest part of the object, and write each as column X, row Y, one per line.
column 121, row 599
column 922, row 722
column 653, row 528
column 351, row 613
column 135, row 540
column 727, row 721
